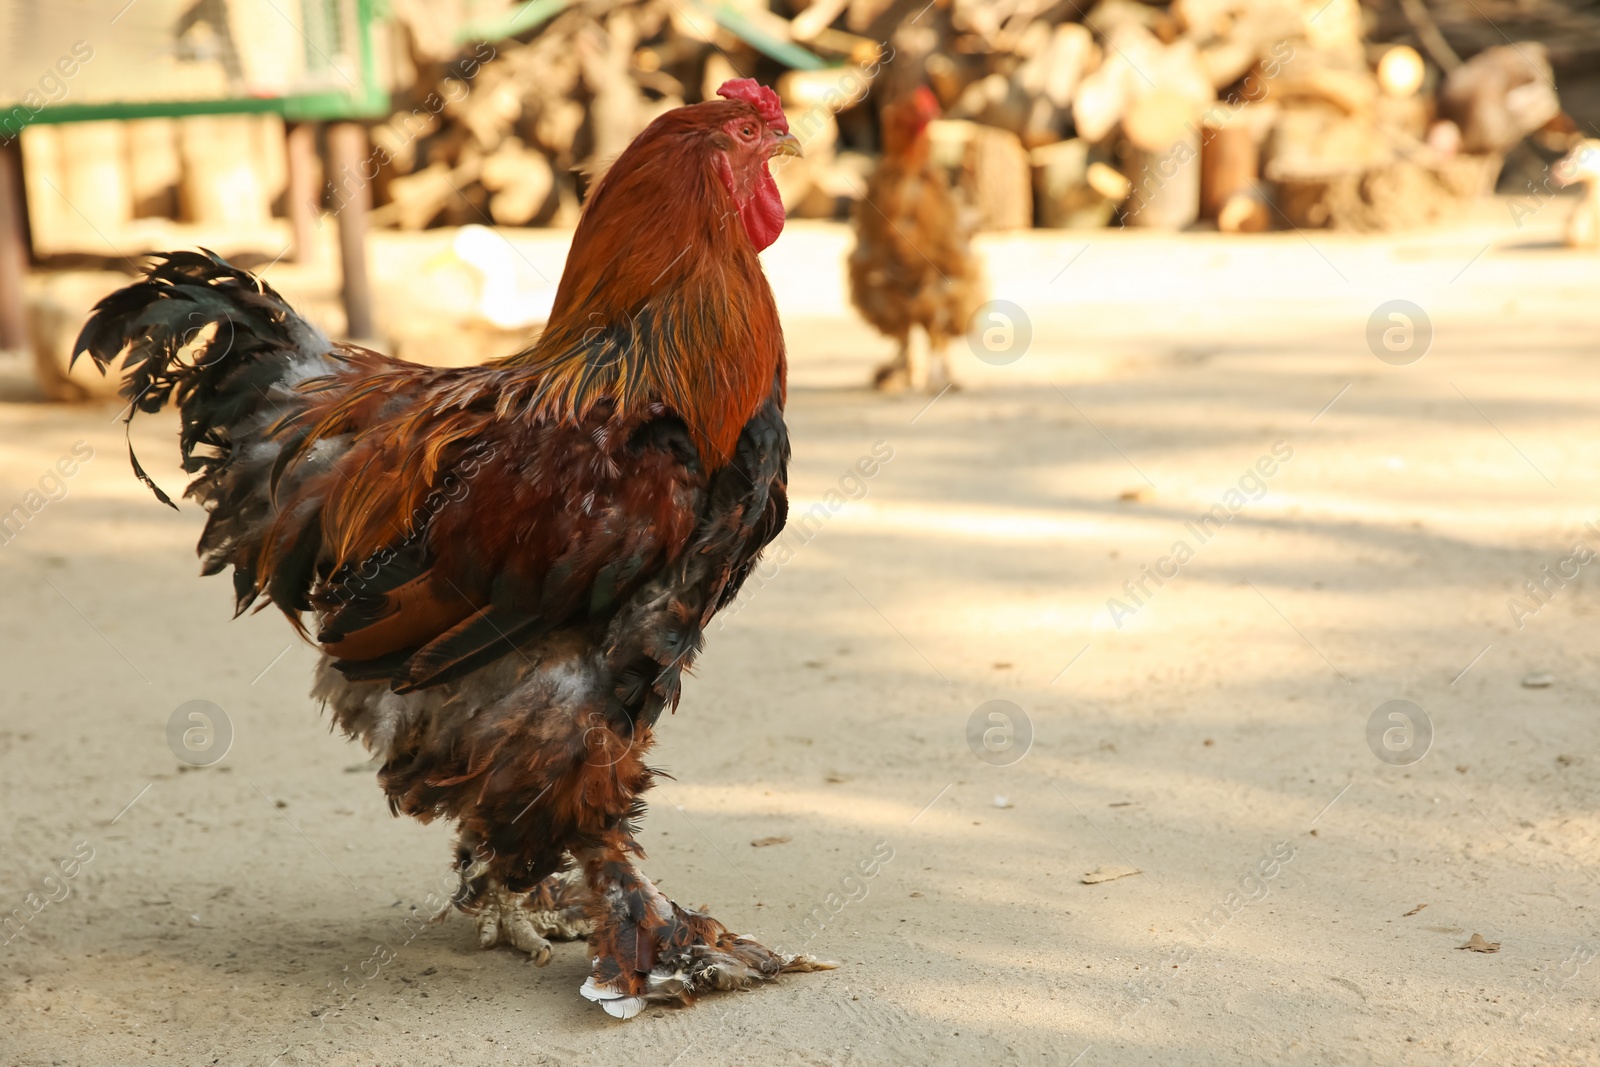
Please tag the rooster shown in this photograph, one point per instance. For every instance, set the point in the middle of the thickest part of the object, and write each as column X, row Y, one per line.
column 912, row 273
column 508, row 568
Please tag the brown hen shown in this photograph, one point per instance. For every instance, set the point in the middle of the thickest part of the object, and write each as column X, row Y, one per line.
column 913, row 273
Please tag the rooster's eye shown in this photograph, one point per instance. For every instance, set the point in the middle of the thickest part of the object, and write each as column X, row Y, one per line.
column 748, row 131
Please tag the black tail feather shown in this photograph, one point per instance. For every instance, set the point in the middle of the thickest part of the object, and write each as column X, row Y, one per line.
column 227, row 350
column 195, row 331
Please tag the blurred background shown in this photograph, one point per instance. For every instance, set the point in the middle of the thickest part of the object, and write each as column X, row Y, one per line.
column 1353, row 244
column 352, row 141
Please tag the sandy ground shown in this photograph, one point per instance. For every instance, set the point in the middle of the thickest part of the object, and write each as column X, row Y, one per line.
column 264, row 910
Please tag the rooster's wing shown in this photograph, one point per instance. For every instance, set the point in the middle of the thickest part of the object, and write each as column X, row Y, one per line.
column 450, row 527
column 426, row 517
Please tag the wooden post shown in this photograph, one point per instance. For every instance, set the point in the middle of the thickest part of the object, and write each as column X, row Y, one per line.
column 347, row 155
column 304, row 203
column 1166, row 185
column 1229, row 164
column 13, row 249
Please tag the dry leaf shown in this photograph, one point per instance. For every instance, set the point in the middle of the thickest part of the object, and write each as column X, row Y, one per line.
column 1413, row 911
column 763, row 842
column 1478, row 944
column 1107, row 874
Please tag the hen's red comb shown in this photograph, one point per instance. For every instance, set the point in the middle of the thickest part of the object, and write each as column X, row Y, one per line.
column 763, row 99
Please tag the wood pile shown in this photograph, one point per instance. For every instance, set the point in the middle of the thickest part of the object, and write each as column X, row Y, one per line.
column 514, row 132
column 89, row 183
column 1244, row 114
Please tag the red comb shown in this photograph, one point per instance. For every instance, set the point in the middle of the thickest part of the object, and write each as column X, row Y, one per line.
column 763, row 99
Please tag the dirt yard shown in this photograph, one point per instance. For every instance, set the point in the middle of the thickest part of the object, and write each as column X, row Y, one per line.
column 1304, row 893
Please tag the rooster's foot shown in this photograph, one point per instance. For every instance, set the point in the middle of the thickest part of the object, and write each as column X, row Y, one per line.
column 691, row 953
column 559, row 906
column 502, row 918
column 939, row 376
column 891, row 377
column 555, row 908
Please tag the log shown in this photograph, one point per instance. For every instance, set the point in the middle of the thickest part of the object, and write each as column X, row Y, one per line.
column 816, row 18
column 1245, row 212
column 1100, row 98
column 1072, row 190
column 999, row 167
column 1230, row 164
column 1500, row 96
column 1336, row 30
column 417, row 199
column 1391, row 196
column 615, row 114
column 1166, row 185
column 1157, row 120
column 521, row 180
column 991, row 163
column 1071, row 56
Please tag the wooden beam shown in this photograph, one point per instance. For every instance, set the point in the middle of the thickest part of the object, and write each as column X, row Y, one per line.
column 13, row 249
column 347, row 155
column 303, row 202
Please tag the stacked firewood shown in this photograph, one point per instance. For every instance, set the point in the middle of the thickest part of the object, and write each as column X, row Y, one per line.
column 1247, row 113
column 515, row 131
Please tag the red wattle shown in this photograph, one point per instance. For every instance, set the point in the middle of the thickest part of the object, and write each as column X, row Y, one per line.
column 762, row 215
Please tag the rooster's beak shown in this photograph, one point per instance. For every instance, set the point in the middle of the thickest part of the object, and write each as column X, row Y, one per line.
column 786, row 144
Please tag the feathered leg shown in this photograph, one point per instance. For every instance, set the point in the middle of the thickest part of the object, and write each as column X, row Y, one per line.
column 524, row 918
column 648, row 948
column 557, row 908
column 917, row 359
column 940, row 373
column 890, row 377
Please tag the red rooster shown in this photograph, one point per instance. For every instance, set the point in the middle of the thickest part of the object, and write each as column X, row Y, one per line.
column 912, row 273
column 510, row 567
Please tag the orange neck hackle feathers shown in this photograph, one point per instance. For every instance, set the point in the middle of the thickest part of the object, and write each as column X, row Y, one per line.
column 663, row 298
column 662, row 302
